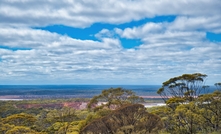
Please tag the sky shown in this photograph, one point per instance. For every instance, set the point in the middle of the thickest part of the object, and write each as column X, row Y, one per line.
column 111, row 42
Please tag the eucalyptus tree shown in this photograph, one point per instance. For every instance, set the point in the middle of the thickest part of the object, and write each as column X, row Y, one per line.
column 210, row 109
column 183, row 88
column 218, row 86
column 114, row 98
column 180, row 94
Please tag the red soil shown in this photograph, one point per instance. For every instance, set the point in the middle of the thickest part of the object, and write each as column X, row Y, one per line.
column 75, row 105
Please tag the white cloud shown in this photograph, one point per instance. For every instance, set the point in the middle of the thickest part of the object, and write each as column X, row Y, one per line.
column 141, row 31
column 104, row 33
column 168, row 48
column 55, row 56
column 179, row 46
column 84, row 13
column 208, row 23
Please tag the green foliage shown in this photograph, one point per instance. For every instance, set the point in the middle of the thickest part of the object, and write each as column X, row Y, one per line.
column 187, row 118
column 189, row 109
column 102, row 112
column 175, row 101
column 21, row 130
column 39, row 120
column 187, row 86
column 127, row 119
column 184, row 113
column 210, row 109
column 21, row 119
column 5, row 127
column 66, row 114
column 115, row 98
column 218, row 86
column 82, row 114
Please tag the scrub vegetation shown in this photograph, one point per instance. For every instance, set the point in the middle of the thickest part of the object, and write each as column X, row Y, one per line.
column 189, row 109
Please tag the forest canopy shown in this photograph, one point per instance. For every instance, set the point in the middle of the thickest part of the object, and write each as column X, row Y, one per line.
column 189, row 109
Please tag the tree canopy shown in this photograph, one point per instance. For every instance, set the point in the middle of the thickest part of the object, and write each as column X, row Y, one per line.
column 186, row 86
column 132, row 118
column 190, row 108
column 114, row 98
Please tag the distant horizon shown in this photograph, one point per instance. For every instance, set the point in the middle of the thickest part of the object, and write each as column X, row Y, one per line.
column 83, row 84
column 88, row 85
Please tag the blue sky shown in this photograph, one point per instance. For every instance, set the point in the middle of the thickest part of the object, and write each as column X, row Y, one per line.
column 108, row 42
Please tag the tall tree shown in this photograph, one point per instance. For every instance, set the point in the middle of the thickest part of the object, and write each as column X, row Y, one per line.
column 190, row 108
column 185, row 87
column 218, row 85
column 115, row 97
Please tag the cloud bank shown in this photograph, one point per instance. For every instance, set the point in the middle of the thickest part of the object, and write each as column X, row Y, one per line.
column 168, row 48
